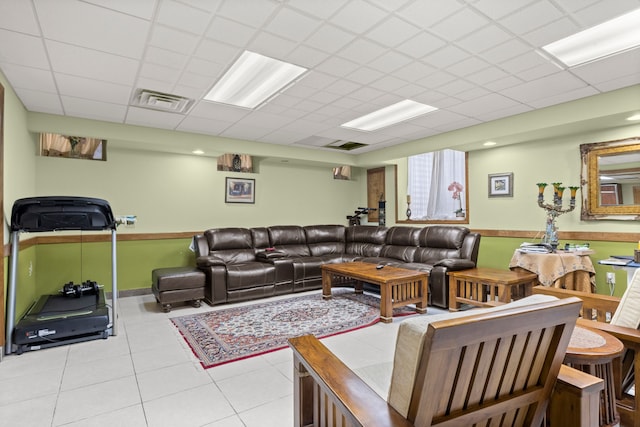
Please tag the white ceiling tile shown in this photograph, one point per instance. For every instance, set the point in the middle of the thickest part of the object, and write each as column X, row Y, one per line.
column 537, row 15
column 537, row 72
column 329, row 38
column 553, row 85
column 390, row 61
column 484, row 39
column 173, row 40
column 252, row 13
column 30, row 78
column 141, row 8
column 505, row 51
column 459, row 24
column 414, row 71
column 620, row 82
column 337, row 66
column 212, row 110
column 154, row 84
column 362, row 51
column 219, row 53
column 364, row 75
column 292, row 25
column 187, row 90
column 248, row 133
column 226, row 31
column 435, row 80
column 389, row 83
column 159, row 72
column 203, row 125
column 460, row 124
column 602, row 11
column 366, row 94
column 271, row 45
column 153, row 118
column 358, row 16
column 564, row 97
column 18, row 16
column 455, row 87
column 342, row 87
column 88, row 109
column 320, row 9
column 392, row 31
column 473, row 93
column 610, row 68
column 425, row 13
column 41, row 102
column 503, row 83
column 489, row 102
column 421, row 45
column 21, row 49
column 165, row 58
column 80, row 87
column 306, row 56
column 183, row 17
column 499, row 114
column 468, row 66
column 205, row 69
column 445, row 57
column 487, row 75
column 317, row 79
column 524, row 62
column 94, row 27
column 575, row 5
column 496, row 9
column 551, row 32
column 88, row 63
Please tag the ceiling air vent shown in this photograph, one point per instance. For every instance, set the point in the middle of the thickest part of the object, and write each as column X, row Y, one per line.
column 345, row 145
column 145, row 98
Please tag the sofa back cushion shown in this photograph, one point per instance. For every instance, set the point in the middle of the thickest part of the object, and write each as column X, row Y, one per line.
column 365, row 240
column 260, row 236
column 289, row 239
column 325, row 239
column 400, row 243
column 232, row 245
column 439, row 242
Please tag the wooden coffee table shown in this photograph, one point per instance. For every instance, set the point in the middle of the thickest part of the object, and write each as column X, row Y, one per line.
column 398, row 286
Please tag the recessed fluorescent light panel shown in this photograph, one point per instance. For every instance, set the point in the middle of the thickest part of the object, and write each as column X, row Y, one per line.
column 252, row 80
column 387, row 116
column 608, row 38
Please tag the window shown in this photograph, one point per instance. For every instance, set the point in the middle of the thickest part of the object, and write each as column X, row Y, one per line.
column 436, row 186
column 76, row 147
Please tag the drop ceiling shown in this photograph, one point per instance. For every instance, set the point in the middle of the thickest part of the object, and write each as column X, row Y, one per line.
column 475, row 60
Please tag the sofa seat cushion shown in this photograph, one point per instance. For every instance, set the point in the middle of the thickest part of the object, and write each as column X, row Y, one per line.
column 310, row 267
column 410, row 341
column 246, row 275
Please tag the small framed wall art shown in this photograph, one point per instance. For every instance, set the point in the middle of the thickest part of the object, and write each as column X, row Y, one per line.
column 501, row 184
column 240, row 190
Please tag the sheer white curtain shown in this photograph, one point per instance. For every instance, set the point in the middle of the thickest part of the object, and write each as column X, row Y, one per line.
column 430, row 177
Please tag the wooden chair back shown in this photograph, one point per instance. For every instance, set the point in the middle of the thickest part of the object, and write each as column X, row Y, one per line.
column 495, row 368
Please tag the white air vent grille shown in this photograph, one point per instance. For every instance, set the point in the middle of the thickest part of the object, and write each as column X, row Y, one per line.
column 145, row 98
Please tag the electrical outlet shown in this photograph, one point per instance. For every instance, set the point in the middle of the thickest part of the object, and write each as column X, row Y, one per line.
column 611, row 278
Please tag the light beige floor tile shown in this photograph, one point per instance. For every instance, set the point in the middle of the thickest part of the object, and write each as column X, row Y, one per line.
column 170, row 355
column 36, row 412
column 99, row 349
column 255, row 388
column 95, row 400
column 132, row 416
column 152, row 335
column 194, row 407
column 240, row 367
column 170, row 380
column 32, row 362
column 97, row 371
column 278, row 413
column 36, row 384
column 233, row 421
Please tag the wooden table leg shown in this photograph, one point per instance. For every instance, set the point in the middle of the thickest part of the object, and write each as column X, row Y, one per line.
column 421, row 307
column 386, row 305
column 326, row 285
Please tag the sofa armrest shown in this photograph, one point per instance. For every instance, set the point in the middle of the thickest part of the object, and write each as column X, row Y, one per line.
column 267, row 255
column 209, row 261
column 454, row 264
column 339, row 387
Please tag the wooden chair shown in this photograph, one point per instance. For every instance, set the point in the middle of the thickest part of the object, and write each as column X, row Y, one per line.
column 621, row 318
column 494, row 368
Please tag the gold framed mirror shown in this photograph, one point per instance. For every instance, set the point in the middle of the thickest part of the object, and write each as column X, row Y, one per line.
column 610, row 180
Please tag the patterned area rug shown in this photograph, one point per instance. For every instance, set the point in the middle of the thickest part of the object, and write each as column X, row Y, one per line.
column 227, row 335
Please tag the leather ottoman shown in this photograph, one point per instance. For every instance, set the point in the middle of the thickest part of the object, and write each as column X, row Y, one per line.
column 177, row 284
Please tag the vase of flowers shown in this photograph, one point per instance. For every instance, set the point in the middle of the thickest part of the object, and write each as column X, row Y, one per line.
column 457, row 188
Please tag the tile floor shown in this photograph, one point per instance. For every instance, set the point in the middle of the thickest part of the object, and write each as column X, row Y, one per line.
column 148, row 376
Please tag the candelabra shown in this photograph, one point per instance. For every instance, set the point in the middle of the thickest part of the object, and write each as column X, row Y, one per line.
column 554, row 210
column 408, row 207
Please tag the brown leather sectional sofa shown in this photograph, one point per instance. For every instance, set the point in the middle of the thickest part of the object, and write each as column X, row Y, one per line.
column 248, row 263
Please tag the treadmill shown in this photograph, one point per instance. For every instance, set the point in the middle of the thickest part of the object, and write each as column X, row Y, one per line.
column 79, row 312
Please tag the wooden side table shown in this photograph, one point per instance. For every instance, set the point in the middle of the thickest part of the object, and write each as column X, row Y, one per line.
column 485, row 287
column 592, row 351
